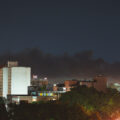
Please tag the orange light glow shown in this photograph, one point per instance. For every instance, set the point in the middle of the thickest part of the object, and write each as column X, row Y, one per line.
column 117, row 118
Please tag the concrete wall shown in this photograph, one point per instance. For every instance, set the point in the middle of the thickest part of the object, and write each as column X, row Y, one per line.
column 1, row 82
column 101, row 83
column 20, row 80
column 5, row 82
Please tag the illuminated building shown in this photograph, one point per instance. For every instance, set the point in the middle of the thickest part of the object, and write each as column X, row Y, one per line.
column 14, row 79
column 55, row 87
column 66, row 86
column 115, row 86
column 70, row 84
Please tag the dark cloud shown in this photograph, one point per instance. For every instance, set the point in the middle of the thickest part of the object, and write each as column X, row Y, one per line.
column 79, row 65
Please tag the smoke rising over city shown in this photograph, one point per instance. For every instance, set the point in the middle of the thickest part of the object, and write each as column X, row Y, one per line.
column 80, row 65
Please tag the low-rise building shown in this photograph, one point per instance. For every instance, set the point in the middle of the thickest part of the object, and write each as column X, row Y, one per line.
column 39, row 82
column 66, row 86
column 31, row 98
column 88, row 83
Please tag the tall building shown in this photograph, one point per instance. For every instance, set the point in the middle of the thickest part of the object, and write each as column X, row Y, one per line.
column 14, row 79
column 101, row 83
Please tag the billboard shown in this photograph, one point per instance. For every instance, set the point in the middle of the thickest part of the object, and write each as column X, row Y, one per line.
column 46, row 94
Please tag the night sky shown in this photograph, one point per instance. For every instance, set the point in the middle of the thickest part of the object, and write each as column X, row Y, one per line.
column 61, row 26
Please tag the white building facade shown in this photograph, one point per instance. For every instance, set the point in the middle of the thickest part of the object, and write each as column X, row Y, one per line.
column 14, row 80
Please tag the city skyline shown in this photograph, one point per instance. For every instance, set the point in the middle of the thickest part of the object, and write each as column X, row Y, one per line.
column 59, row 60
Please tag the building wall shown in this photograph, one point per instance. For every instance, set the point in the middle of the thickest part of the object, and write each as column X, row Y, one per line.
column 88, row 84
column 5, row 82
column 55, row 88
column 20, row 80
column 30, row 99
column 69, row 84
column 39, row 82
column 101, row 83
column 12, row 64
column 9, row 80
column 1, row 82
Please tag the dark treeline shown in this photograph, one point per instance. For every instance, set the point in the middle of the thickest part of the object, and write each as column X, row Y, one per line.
column 82, row 64
column 3, row 111
column 81, row 103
